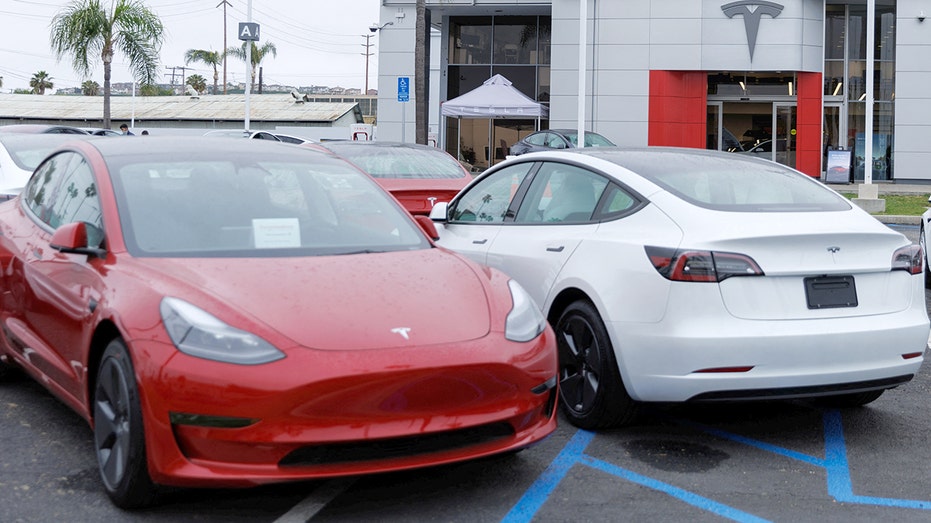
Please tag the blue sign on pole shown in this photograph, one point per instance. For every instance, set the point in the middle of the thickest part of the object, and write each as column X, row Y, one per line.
column 404, row 89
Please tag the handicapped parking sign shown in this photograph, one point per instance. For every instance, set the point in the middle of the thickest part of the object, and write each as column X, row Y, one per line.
column 404, row 89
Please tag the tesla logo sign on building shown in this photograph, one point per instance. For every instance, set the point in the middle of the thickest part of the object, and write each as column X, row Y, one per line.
column 752, row 12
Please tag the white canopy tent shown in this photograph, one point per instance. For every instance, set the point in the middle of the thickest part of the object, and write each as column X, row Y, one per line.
column 495, row 98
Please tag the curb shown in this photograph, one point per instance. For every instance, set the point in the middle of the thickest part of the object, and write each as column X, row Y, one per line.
column 891, row 219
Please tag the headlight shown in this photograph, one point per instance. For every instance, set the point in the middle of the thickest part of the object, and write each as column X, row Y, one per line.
column 525, row 321
column 198, row 333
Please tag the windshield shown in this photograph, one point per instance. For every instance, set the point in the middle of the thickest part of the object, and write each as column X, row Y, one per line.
column 241, row 206
column 400, row 162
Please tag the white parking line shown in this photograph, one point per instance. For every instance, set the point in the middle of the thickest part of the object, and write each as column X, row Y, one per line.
column 321, row 496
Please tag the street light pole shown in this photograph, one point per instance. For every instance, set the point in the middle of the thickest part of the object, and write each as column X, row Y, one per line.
column 248, row 64
column 224, row 3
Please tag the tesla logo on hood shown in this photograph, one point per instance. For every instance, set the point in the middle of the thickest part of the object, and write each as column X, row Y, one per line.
column 403, row 331
column 752, row 12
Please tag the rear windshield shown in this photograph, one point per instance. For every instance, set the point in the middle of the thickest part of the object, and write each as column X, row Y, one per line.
column 400, row 162
column 729, row 182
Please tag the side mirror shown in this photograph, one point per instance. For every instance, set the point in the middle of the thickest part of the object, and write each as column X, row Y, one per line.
column 73, row 238
column 438, row 212
column 427, row 225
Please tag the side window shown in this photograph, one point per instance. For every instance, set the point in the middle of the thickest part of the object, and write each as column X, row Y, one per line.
column 77, row 200
column 561, row 193
column 617, row 201
column 555, row 141
column 41, row 192
column 488, row 200
column 63, row 191
column 537, row 139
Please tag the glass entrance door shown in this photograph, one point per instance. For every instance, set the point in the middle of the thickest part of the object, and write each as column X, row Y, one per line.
column 784, row 133
column 834, row 128
column 713, row 124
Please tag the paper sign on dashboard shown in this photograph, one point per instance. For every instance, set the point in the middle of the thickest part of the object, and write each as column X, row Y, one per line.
column 276, row 233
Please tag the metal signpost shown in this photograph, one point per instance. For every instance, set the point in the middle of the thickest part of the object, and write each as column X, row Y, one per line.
column 404, row 95
column 248, row 32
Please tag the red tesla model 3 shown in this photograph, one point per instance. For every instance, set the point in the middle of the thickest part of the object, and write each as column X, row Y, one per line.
column 238, row 313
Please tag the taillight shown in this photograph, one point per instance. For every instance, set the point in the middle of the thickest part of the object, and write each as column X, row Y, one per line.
column 908, row 258
column 701, row 266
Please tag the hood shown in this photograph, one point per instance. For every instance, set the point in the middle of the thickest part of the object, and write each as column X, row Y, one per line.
column 349, row 302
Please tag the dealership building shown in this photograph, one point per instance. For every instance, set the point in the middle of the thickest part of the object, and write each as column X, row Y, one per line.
column 814, row 84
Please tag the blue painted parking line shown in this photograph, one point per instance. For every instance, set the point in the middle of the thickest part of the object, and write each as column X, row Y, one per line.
column 573, row 453
column 839, row 482
column 840, row 485
column 837, row 468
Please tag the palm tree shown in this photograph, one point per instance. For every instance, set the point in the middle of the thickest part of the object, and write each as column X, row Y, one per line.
column 86, row 30
column 40, row 82
column 212, row 58
column 258, row 54
column 199, row 83
column 90, row 88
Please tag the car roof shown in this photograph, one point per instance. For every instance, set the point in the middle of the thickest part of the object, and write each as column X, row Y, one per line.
column 30, row 139
column 192, row 146
column 366, row 143
column 644, row 160
column 40, row 128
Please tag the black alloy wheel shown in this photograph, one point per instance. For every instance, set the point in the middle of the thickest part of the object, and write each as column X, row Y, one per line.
column 118, row 431
column 592, row 394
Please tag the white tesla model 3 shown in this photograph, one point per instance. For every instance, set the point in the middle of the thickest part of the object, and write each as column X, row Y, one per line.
column 674, row 275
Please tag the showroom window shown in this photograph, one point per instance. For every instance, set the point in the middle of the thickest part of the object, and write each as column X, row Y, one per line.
column 479, row 47
column 845, row 73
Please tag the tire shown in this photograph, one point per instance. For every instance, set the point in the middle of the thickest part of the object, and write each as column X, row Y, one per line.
column 119, row 438
column 591, row 391
column 924, row 252
column 854, row 399
column 6, row 369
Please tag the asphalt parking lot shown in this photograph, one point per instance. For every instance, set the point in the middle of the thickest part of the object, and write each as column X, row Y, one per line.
column 774, row 461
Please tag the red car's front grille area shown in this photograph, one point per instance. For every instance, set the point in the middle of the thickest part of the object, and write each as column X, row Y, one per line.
column 393, row 448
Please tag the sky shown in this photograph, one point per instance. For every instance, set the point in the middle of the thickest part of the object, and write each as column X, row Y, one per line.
column 319, row 42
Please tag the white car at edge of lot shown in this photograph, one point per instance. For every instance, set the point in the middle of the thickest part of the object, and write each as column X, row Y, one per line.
column 675, row 275
column 923, row 240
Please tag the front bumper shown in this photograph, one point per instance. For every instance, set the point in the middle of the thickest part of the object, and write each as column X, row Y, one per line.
column 318, row 414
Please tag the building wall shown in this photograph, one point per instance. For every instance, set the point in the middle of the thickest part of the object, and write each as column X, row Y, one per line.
column 635, row 38
column 395, row 45
column 912, row 146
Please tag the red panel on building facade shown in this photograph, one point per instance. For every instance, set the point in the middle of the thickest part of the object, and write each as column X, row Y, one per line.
column 809, row 146
column 677, row 108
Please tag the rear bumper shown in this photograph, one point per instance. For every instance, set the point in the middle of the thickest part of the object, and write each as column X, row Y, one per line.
column 744, row 359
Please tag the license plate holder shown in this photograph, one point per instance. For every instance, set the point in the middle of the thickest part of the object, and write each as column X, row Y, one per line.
column 830, row 292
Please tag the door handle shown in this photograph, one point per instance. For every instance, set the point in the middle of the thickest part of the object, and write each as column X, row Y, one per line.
column 555, row 249
column 480, row 242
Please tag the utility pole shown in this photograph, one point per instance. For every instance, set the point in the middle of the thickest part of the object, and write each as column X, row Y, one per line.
column 183, row 69
column 172, row 81
column 367, row 54
column 224, row 3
